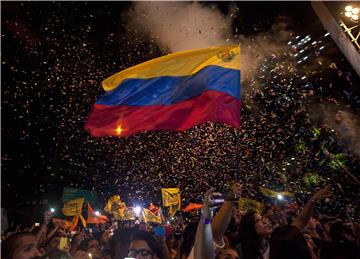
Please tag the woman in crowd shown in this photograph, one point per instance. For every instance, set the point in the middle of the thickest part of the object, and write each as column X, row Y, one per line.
column 254, row 231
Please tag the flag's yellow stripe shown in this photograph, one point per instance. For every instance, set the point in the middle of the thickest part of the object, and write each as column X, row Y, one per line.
column 183, row 63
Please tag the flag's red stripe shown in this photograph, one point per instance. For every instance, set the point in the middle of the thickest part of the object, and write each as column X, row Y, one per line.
column 210, row 106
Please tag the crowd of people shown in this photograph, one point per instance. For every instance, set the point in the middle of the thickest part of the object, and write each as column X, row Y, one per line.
column 61, row 49
column 219, row 231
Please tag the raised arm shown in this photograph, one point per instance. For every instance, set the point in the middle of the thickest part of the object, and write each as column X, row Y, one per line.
column 43, row 228
column 223, row 217
column 302, row 219
column 203, row 247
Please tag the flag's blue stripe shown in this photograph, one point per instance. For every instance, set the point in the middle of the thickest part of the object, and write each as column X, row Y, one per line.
column 167, row 90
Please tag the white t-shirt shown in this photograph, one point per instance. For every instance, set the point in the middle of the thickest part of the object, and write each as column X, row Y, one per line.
column 216, row 247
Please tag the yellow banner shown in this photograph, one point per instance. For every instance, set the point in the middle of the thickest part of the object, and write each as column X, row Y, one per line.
column 151, row 217
column 116, row 207
column 129, row 214
column 73, row 207
column 172, row 199
column 170, row 196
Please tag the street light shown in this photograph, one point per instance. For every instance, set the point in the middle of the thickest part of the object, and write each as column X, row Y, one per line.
column 352, row 13
column 348, row 8
column 352, row 30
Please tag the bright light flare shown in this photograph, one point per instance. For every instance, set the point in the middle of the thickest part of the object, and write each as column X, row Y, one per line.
column 119, row 130
column 97, row 213
column 355, row 17
column 355, row 10
column 137, row 210
column 280, row 197
column 348, row 14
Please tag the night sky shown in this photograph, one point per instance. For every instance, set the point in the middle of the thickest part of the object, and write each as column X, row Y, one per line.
column 55, row 55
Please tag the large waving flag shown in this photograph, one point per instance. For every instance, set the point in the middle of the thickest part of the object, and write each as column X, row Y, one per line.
column 173, row 92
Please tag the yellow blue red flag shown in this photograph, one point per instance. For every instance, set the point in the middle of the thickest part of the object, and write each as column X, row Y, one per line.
column 172, row 92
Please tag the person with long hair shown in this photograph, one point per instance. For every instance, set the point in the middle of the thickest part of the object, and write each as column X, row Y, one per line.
column 254, row 231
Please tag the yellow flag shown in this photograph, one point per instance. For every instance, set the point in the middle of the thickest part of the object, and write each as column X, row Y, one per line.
column 116, row 207
column 73, row 207
column 173, row 209
column 129, row 214
column 151, row 217
column 271, row 193
column 170, row 196
column 249, row 204
column 172, row 199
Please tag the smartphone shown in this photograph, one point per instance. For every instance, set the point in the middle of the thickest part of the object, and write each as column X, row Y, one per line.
column 159, row 231
column 63, row 243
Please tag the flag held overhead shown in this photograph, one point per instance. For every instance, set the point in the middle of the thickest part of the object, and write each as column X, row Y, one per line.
column 173, row 92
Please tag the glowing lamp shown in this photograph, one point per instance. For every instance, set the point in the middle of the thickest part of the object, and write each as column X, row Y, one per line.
column 348, row 14
column 348, row 8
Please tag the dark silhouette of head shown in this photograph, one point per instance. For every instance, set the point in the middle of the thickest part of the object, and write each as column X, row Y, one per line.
column 288, row 242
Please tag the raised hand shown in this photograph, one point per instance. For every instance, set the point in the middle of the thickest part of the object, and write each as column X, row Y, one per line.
column 322, row 194
column 237, row 188
column 47, row 217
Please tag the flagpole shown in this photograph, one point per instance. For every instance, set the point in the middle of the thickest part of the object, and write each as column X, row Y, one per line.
column 237, row 135
column 237, row 139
